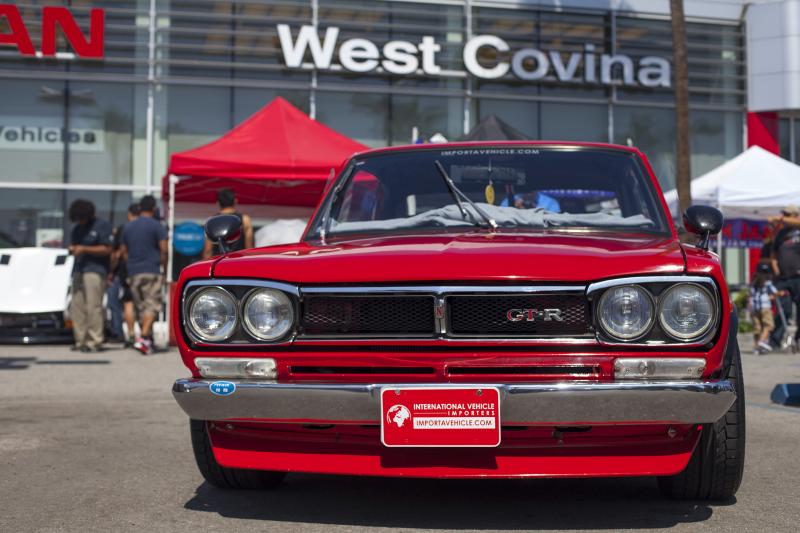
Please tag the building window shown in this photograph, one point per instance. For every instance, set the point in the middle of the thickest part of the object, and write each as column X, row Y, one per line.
column 574, row 122
column 522, row 115
column 30, row 217
column 429, row 114
column 361, row 116
column 785, row 138
column 789, row 138
column 104, row 111
column 795, row 140
column 31, row 143
column 35, row 128
column 550, row 121
column 186, row 127
column 199, row 115
column 715, row 137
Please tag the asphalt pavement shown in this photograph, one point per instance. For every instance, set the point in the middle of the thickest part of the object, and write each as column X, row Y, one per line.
column 95, row 442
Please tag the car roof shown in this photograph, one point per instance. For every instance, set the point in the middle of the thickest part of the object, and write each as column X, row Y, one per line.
column 473, row 144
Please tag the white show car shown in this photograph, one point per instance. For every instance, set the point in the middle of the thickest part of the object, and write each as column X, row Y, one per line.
column 35, row 284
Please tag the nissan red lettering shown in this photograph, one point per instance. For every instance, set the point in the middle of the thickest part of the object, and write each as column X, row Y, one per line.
column 53, row 19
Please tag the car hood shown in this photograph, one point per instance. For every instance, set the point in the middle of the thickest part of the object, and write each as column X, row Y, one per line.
column 555, row 256
column 34, row 280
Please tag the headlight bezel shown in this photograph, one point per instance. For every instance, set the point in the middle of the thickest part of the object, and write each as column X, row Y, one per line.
column 240, row 289
column 193, row 330
column 250, row 330
column 657, row 286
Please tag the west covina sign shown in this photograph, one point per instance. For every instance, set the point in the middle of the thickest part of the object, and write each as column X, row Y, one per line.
column 529, row 64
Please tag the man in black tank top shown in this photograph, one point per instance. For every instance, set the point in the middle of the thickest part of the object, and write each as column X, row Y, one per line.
column 226, row 199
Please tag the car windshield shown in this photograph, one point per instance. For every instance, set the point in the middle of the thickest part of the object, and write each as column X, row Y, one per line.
column 507, row 188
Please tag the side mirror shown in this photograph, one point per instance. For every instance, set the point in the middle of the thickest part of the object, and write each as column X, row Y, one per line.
column 224, row 230
column 704, row 221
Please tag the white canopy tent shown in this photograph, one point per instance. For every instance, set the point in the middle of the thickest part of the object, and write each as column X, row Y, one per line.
column 754, row 185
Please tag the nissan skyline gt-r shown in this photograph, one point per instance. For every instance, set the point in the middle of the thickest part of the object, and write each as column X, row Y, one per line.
column 470, row 310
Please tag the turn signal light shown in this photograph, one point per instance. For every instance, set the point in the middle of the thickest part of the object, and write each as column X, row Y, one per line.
column 229, row 367
column 647, row 368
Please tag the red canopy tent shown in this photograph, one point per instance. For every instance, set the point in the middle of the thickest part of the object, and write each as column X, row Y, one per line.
column 278, row 156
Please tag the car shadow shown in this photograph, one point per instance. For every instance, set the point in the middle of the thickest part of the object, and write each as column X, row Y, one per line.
column 22, row 363
column 16, row 363
column 616, row 504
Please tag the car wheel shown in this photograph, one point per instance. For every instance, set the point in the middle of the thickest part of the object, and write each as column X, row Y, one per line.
column 220, row 476
column 715, row 470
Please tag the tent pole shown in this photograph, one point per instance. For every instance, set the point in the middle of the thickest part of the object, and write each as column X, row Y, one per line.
column 173, row 180
column 747, row 265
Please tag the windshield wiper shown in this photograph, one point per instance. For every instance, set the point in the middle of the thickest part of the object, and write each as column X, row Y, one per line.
column 452, row 188
column 456, row 192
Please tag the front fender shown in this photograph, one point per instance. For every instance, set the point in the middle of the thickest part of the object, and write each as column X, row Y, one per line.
column 731, row 341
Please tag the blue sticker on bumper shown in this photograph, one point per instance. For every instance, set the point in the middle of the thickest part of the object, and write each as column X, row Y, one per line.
column 222, row 388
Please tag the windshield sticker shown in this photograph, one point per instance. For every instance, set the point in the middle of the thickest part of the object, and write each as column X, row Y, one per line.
column 489, row 151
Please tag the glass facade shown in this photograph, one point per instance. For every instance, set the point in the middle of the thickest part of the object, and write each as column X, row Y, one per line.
column 789, row 138
column 73, row 127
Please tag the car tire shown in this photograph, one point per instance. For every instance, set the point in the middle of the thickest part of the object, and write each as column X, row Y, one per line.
column 220, row 476
column 715, row 469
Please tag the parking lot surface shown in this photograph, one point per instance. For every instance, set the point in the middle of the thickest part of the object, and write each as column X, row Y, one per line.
column 95, row 442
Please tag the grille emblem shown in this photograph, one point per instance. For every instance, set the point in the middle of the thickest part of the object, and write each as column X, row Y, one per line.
column 534, row 315
column 438, row 309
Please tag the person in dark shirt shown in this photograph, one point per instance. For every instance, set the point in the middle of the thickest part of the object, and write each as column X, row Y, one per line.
column 226, row 199
column 90, row 243
column 785, row 258
column 120, row 298
column 144, row 247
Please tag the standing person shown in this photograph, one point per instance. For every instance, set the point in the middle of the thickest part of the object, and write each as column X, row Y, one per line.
column 226, row 199
column 120, row 298
column 90, row 243
column 786, row 263
column 144, row 247
column 762, row 294
column 113, row 297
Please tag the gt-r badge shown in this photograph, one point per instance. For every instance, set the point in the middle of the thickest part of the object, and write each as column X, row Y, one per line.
column 532, row 315
column 222, row 388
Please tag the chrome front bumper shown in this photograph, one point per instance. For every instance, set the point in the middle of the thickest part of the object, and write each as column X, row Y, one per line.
column 675, row 402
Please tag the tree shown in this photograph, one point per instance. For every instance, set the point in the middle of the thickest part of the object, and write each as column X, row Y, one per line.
column 681, row 69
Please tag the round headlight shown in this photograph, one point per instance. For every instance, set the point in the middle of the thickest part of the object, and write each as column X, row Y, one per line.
column 268, row 314
column 686, row 311
column 212, row 314
column 626, row 312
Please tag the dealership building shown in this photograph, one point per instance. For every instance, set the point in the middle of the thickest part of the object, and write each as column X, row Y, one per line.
column 97, row 115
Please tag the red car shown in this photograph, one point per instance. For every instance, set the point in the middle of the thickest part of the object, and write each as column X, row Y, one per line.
column 470, row 310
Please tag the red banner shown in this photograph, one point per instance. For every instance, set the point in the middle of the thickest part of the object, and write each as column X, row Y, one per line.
column 738, row 233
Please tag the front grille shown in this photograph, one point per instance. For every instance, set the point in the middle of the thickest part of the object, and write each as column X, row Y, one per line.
column 368, row 315
column 475, row 315
column 361, row 370
column 548, row 314
column 530, row 370
column 29, row 320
